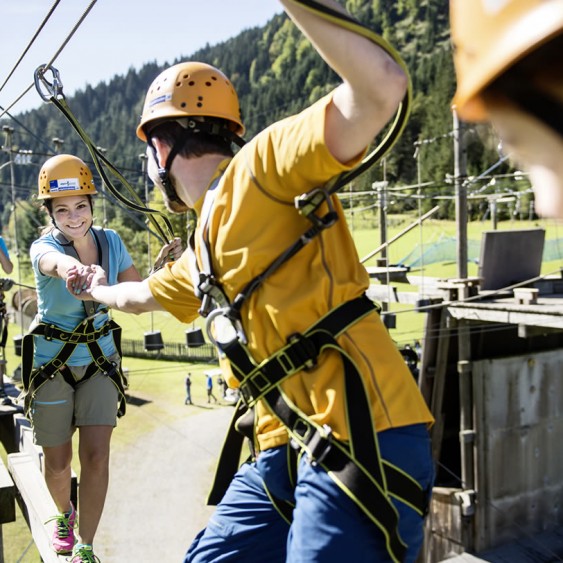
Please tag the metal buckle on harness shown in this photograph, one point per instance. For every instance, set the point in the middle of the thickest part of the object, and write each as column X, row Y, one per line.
column 48, row 332
column 207, row 286
column 318, row 442
column 305, row 350
column 308, row 203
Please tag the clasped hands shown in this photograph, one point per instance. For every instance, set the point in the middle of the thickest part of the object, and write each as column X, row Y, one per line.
column 81, row 279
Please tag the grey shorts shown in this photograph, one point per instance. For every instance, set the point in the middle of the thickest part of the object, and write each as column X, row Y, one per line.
column 58, row 409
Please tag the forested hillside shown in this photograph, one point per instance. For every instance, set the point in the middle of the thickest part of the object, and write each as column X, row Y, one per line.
column 276, row 73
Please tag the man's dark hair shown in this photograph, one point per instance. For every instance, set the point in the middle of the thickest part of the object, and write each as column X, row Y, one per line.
column 195, row 143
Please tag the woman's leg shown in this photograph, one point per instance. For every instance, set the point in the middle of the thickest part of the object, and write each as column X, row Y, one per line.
column 94, row 448
column 96, row 415
column 57, row 461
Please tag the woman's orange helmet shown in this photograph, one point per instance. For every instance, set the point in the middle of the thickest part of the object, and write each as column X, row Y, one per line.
column 64, row 175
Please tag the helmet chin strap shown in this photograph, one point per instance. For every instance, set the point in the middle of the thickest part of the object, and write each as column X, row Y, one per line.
column 191, row 126
column 164, row 173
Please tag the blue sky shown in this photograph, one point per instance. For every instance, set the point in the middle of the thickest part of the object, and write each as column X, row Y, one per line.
column 115, row 36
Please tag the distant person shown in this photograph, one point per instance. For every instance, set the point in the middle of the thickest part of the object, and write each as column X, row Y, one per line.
column 188, row 383
column 418, row 349
column 342, row 467
column 209, row 386
column 71, row 361
column 223, row 385
column 5, row 261
column 507, row 59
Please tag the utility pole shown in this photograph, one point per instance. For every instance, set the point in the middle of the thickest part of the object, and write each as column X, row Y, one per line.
column 382, row 194
column 460, row 174
column 103, row 151
column 143, row 158
column 8, row 132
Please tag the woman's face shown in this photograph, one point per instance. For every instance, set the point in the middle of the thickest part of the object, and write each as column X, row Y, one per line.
column 72, row 215
column 537, row 149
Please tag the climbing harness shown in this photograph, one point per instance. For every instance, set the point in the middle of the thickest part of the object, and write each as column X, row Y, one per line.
column 356, row 466
column 84, row 333
column 54, row 93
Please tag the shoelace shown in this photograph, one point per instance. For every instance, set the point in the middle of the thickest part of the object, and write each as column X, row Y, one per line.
column 63, row 524
column 85, row 554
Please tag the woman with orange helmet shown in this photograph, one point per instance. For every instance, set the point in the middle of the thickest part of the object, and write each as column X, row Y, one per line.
column 71, row 358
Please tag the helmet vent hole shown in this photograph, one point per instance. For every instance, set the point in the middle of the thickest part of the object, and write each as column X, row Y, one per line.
column 199, row 105
column 208, row 83
column 183, row 104
column 191, row 83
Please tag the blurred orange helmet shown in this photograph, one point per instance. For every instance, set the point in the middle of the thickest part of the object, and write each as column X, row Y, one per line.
column 489, row 37
column 64, row 175
column 191, row 89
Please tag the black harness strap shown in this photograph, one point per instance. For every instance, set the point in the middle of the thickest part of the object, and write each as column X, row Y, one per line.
column 103, row 257
column 85, row 333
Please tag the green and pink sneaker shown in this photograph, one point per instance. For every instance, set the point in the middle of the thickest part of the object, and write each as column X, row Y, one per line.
column 83, row 553
column 63, row 534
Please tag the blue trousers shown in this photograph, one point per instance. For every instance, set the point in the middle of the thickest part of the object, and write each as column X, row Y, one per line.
column 327, row 526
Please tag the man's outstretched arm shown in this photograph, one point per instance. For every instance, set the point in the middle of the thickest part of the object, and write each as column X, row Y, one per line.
column 373, row 83
column 129, row 297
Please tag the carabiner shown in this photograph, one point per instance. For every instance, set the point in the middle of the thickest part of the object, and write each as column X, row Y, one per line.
column 227, row 329
column 54, row 88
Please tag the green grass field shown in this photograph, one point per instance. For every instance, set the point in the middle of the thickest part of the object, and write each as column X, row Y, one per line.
column 161, row 383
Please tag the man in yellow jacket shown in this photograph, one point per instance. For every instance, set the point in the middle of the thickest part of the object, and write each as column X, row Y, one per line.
column 342, row 468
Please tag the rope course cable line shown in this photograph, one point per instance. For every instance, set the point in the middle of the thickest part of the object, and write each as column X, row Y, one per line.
column 39, row 29
column 57, row 53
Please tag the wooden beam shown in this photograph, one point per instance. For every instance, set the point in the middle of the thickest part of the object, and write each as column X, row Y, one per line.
column 35, row 502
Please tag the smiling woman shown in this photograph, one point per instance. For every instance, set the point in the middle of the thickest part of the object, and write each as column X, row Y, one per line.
column 73, row 376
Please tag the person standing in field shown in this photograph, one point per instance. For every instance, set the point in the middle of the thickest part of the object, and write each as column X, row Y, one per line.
column 209, row 387
column 188, row 384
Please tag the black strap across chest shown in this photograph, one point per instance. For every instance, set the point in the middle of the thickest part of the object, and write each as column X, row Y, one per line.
column 101, row 240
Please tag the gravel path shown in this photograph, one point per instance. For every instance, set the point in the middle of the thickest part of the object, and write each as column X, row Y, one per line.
column 158, row 487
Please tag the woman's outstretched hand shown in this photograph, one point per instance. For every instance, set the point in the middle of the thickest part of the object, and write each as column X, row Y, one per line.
column 81, row 279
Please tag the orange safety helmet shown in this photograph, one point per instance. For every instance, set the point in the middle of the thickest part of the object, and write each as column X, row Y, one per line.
column 64, row 175
column 489, row 37
column 191, row 89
